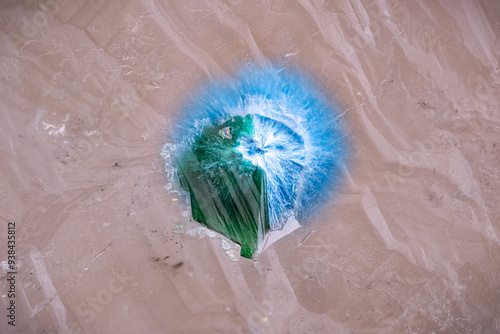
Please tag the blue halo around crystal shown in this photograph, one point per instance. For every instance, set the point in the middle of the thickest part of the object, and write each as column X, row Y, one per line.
column 255, row 150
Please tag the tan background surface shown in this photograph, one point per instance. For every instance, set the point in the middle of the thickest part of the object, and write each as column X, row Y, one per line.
column 410, row 245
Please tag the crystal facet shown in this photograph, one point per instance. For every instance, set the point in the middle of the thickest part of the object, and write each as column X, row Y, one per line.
column 228, row 193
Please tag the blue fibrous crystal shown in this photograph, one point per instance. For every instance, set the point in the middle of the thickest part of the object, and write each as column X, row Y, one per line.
column 255, row 151
column 280, row 152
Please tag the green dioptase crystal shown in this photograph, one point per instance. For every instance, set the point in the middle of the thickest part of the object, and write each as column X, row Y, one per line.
column 228, row 193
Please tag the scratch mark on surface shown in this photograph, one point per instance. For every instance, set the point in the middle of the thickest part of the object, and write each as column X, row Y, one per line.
column 105, row 249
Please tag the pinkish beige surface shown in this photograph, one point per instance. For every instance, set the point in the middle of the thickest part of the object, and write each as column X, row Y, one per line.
column 410, row 245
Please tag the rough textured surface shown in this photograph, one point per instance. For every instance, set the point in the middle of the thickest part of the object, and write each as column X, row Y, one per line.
column 410, row 245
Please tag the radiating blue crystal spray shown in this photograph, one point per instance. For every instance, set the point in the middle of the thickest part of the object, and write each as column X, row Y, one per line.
column 291, row 134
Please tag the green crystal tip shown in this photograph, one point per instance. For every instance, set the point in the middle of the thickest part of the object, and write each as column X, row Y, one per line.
column 228, row 194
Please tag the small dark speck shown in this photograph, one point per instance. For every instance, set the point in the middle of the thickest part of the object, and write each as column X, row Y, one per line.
column 178, row 265
column 156, row 259
column 116, row 165
column 166, row 257
column 102, row 189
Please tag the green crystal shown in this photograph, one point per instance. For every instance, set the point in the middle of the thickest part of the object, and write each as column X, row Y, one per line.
column 228, row 194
